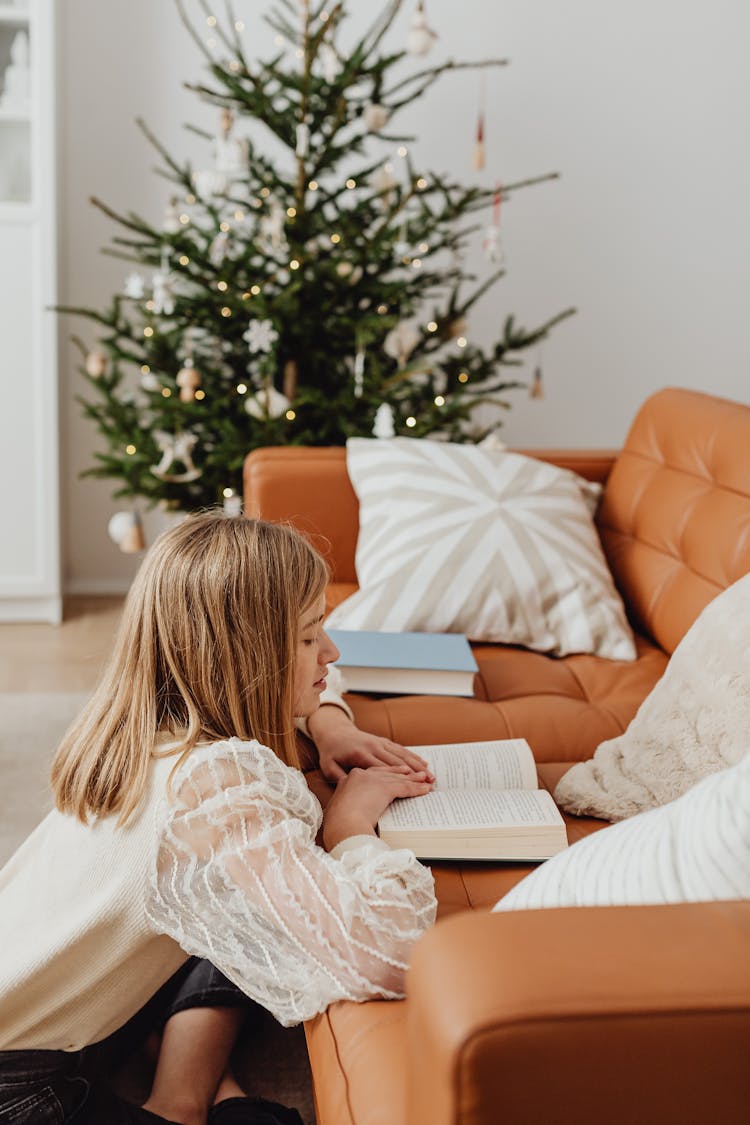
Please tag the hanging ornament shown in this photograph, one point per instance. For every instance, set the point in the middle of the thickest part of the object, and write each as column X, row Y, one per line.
column 303, row 140
column 329, row 62
column 536, row 390
column 260, row 336
column 96, row 364
column 375, row 117
column 291, row 374
column 126, row 530
column 479, row 143
column 267, row 403
column 176, row 448
column 401, row 341
column 171, row 223
column 384, row 182
column 383, row 426
column 479, row 155
column 135, row 286
column 271, row 227
column 492, row 245
column 218, row 250
column 359, row 371
column 162, row 293
column 209, row 181
column 188, row 380
column 150, row 382
column 232, row 502
column 230, row 152
column 421, row 36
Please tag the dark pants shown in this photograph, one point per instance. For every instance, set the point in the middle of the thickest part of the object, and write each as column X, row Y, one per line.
column 56, row 1087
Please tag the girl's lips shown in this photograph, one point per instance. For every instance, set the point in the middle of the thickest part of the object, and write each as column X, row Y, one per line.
column 320, row 684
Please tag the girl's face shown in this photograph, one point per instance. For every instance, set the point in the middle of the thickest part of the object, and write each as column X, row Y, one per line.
column 315, row 651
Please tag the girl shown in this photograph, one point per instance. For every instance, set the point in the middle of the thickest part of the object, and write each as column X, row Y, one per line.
column 182, row 829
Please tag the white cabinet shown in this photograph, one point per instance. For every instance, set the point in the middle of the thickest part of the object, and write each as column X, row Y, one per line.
column 29, row 472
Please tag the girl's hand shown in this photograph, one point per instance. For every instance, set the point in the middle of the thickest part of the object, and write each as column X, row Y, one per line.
column 363, row 795
column 342, row 746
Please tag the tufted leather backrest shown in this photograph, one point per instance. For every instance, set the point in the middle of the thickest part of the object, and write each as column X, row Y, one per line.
column 675, row 514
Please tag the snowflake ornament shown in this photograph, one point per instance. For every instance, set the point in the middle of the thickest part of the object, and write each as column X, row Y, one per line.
column 260, row 336
column 135, row 286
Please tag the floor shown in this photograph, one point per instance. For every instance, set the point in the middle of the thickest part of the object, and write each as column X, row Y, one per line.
column 56, row 661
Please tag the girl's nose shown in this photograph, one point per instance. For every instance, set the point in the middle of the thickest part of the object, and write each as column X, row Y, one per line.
column 328, row 651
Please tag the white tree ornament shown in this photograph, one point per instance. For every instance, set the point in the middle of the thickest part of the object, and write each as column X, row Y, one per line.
column 135, row 286
column 421, row 36
column 401, row 341
column 162, row 294
column 260, row 335
column 383, row 427
column 267, row 403
column 176, row 448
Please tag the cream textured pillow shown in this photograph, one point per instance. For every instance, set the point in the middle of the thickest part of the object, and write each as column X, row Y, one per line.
column 695, row 721
column 695, row 849
column 460, row 539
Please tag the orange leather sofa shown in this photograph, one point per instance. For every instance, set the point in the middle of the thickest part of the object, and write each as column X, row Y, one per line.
column 622, row 1015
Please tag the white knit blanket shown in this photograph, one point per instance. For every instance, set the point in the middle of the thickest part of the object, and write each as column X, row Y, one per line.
column 695, row 721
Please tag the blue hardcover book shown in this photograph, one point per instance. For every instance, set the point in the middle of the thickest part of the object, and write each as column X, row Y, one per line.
column 405, row 663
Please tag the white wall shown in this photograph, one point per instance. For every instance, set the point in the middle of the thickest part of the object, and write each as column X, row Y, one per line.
column 642, row 107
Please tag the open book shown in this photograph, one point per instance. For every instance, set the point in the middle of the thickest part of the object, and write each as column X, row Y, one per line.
column 486, row 804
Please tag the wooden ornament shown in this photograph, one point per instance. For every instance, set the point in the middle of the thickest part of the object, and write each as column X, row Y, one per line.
column 537, row 386
column 96, row 364
column 290, row 378
column 188, row 380
column 479, row 156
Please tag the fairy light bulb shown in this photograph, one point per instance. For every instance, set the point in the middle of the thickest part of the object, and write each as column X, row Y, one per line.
column 222, row 286
column 461, row 342
column 432, row 326
column 290, row 415
column 463, row 377
column 200, row 394
column 211, row 21
column 226, row 311
column 351, row 184
column 184, row 219
column 166, row 392
column 145, row 369
column 411, row 422
column 184, row 260
column 421, row 183
column 224, row 227
column 439, row 400
column 291, row 212
column 335, row 239
column 130, row 450
column 294, row 264
column 242, row 388
column 148, row 331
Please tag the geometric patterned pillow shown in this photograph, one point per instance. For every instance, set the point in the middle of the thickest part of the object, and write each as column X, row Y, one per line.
column 463, row 539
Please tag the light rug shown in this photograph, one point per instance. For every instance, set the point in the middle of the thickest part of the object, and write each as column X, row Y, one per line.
column 31, row 726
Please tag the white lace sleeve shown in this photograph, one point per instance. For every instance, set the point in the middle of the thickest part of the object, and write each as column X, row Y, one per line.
column 239, row 880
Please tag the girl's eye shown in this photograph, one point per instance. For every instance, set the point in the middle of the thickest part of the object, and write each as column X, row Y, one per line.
column 308, row 641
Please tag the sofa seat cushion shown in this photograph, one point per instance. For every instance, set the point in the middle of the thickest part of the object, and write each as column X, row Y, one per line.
column 564, row 707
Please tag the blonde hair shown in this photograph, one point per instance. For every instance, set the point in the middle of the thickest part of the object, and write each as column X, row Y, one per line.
column 205, row 650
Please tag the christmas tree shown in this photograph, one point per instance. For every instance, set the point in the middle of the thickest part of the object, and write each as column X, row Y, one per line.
column 305, row 299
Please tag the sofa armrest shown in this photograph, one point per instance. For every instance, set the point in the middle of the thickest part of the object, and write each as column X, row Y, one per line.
column 622, row 1014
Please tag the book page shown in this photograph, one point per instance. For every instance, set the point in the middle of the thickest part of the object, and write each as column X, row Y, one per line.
column 502, row 764
column 470, row 809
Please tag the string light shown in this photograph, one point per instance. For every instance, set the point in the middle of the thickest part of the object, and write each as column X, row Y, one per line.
column 241, row 388
column 211, row 21
column 294, row 264
column 265, row 192
column 335, row 238
column 382, row 310
column 350, row 183
column 291, row 212
column 184, row 219
column 424, row 247
column 461, row 342
column 439, row 400
column 239, row 215
column 226, row 311
column 224, row 227
column 417, row 263
column 148, row 330
column 190, row 199
column 130, row 449
column 411, row 422
column 184, row 260
column 255, row 290
column 432, row 326
column 402, row 150
column 463, row 377
column 313, row 185
column 222, row 286
column 421, row 183
column 290, row 415
column 234, row 66
column 239, row 25
column 166, row 392
column 145, row 369
column 150, row 305
column 200, row 394
column 246, row 295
